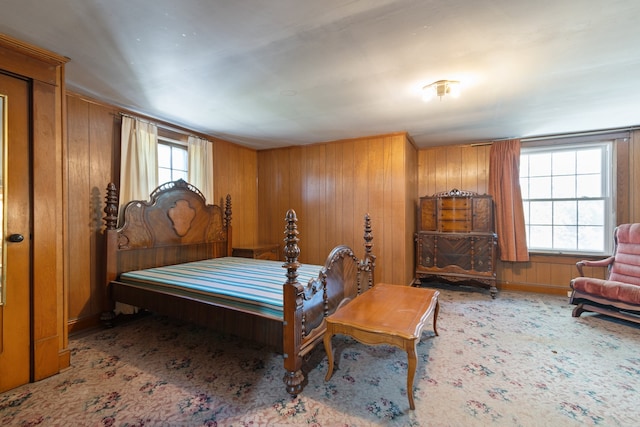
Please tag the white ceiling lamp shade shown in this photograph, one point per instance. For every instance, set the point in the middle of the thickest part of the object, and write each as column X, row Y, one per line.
column 440, row 89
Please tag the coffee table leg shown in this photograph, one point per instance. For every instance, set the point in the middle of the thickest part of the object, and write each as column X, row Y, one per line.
column 411, row 372
column 327, row 348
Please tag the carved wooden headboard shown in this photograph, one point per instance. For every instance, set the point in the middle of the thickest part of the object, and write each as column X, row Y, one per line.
column 175, row 225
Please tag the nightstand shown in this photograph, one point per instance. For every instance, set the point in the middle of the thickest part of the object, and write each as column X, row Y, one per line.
column 261, row 251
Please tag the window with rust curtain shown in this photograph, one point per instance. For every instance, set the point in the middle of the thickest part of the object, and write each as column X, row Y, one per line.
column 504, row 186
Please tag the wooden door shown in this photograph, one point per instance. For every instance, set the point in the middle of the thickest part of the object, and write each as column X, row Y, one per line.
column 15, row 183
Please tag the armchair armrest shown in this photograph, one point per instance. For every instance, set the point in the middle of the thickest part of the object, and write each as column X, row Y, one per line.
column 598, row 263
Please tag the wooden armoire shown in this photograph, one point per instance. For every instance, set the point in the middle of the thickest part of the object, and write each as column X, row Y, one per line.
column 456, row 240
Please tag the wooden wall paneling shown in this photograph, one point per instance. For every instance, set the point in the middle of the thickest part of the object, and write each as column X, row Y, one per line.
column 430, row 173
column 483, row 168
column 269, row 178
column 286, row 193
column 542, row 273
column 634, row 158
column 247, row 188
column 93, row 139
column 454, row 167
column 79, row 214
column 104, row 147
column 296, row 200
column 622, row 190
column 273, row 194
column 441, row 170
column 350, row 222
column 469, row 171
column 383, row 193
column 315, row 200
column 333, row 173
column 503, row 273
column 309, row 211
column 360, row 191
column 561, row 275
column 49, row 329
column 411, row 179
column 379, row 181
column 235, row 172
column 341, row 181
column 394, row 220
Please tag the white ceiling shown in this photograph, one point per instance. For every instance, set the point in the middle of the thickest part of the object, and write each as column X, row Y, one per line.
column 289, row 72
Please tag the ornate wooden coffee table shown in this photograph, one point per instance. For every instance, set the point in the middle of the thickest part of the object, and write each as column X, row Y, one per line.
column 386, row 314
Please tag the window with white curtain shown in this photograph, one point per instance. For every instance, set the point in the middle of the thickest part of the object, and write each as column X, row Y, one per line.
column 568, row 197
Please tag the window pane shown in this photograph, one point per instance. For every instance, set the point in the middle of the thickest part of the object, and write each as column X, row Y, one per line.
column 540, row 188
column 524, row 187
column 164, row 156
column 565, row 237
column 589, row 161
column 179, row 160
column 540, row 236
column 564, row 163
column 563, row 187
column 591, row 212
column 179, row 175
column 524, row 165
column 565, row 213
column 589, row 186
column 164, row 175
column 540, row 164
column 591, row 238
column 541, row 213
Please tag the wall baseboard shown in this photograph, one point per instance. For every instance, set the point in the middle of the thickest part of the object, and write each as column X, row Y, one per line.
column 534, row 287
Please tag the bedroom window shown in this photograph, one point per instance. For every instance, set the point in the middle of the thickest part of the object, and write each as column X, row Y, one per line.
column 567, row 197
column 172, row 160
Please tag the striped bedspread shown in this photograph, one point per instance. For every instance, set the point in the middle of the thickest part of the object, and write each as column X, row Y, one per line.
column 246, row 284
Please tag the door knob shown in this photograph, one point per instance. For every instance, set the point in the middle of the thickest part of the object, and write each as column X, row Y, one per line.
column 16, row 238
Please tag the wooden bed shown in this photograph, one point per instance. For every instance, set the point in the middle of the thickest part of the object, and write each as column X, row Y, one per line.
column 177, row 226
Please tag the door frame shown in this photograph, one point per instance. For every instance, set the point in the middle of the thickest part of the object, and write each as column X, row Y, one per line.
column 45, row 71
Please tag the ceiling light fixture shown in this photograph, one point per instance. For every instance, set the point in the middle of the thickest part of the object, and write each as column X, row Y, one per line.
column 440, row 89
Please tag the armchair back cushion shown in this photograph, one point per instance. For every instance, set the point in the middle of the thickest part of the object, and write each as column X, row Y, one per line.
column 626, row 267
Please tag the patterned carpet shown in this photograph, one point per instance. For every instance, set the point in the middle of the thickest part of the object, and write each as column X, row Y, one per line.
column 518, row 360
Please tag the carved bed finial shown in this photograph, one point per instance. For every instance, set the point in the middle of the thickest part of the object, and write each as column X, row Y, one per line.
column 368, row 263
column 368, row 235
column 291, row 249
column 111, row 207
column 227, row 212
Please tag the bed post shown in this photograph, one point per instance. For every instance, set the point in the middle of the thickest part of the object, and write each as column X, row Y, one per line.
column 293, row 299
column 368, row 263
column 227, row 224
column 111, row 240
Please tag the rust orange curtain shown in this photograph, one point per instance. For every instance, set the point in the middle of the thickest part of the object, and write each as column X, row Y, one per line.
column 504, row 186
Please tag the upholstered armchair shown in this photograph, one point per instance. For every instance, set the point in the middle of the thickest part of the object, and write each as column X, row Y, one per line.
column 617, row 295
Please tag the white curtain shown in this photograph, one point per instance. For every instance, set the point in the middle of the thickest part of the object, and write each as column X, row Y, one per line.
column 138, row 161
column 201, row 166
column 138, row 169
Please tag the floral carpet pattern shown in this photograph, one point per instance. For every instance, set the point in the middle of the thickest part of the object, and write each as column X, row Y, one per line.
column 518, row 360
